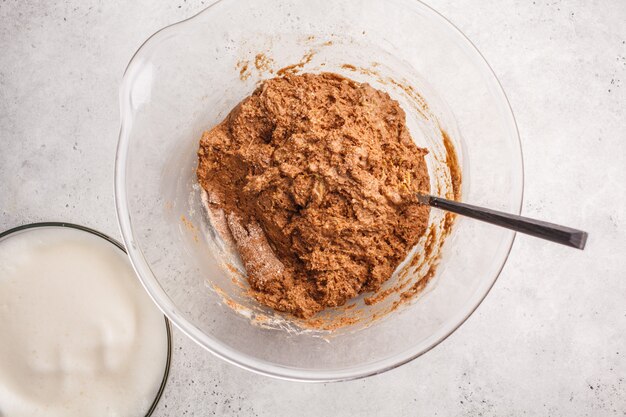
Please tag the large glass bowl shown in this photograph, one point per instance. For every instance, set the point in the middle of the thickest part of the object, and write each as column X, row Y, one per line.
column 188, row 76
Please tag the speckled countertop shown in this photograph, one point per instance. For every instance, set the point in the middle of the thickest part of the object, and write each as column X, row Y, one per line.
column 550, row 339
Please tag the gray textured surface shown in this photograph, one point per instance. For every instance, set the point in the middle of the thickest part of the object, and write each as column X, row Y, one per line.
column 550, row 339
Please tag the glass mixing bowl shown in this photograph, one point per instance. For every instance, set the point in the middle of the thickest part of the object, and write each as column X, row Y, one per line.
column 188, row 76
column 30, row 227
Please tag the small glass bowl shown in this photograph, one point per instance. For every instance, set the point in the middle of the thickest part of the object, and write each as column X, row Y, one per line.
column 19, row 229
column 188, row 76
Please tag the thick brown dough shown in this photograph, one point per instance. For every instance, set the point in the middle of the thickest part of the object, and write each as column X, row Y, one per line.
column 317, row 176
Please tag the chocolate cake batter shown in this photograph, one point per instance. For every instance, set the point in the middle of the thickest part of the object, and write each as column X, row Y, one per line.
column 316, row 176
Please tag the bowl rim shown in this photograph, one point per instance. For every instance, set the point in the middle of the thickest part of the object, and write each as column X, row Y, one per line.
column 7, row 233
column 250, row 363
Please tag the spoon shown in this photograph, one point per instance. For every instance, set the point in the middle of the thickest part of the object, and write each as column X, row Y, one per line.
column 544, row 230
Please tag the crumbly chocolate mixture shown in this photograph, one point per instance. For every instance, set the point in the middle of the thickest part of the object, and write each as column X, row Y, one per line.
column 316, row 175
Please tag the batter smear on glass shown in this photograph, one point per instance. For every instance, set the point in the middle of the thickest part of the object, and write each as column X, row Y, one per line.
column 315, row 176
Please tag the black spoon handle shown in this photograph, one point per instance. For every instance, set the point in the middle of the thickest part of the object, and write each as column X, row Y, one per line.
column 544, row 230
